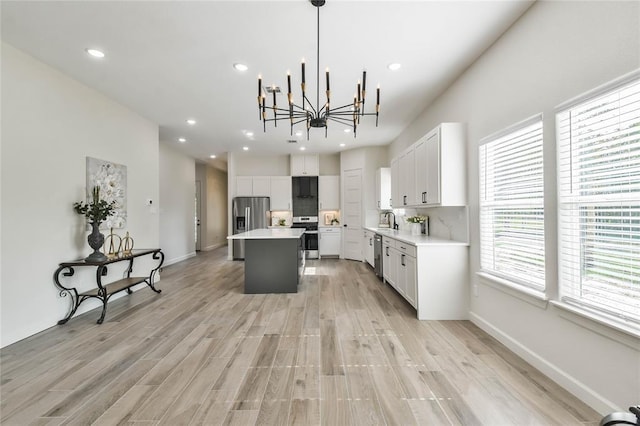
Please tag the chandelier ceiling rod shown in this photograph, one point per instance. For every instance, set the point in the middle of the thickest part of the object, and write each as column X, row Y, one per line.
column 316, row 117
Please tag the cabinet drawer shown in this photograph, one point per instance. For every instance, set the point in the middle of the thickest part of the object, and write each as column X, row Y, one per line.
column 406, row 248
column 329, row 230
column 388, row 242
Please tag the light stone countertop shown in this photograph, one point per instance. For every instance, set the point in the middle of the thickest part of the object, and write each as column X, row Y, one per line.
column 415, row 240
column 273, row 234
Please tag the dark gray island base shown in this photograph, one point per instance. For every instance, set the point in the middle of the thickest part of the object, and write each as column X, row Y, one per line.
column 273, row 261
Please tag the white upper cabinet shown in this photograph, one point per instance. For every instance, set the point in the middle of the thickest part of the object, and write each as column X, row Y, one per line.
column 396, row 201
column 407, row 178
column 383, row 188
column 244, row 186
column 253, row 186
column 305, row 165
column 437, row 176
column 280, row 192
column 278, row 188
column 329, row 192
column 441, row 167
column 261, row 186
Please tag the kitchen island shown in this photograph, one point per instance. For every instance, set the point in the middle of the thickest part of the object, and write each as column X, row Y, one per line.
column 273, row 259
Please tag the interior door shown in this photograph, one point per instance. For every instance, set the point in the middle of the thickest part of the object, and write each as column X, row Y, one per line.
column 352, row 216
column 197, row 226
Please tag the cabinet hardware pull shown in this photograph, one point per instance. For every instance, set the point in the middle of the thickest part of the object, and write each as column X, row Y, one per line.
column 390, row 201
column 378, row 204
column 424, row 196
column 402, row 260
column 387, row 247
column 404, row 200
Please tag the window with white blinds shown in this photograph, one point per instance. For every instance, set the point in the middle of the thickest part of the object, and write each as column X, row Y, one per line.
column 599, row 201
column 512, row 204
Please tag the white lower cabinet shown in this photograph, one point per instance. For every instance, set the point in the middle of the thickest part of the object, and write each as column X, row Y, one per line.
column 368, row 243
column 432, row 278
column 330, row 241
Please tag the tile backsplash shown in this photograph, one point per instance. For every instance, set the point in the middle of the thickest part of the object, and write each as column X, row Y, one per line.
column 451, row 223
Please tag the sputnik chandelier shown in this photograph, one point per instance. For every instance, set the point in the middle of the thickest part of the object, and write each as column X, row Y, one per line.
column 317, row 116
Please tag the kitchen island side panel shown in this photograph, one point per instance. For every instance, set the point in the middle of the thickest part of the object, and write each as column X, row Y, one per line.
column 271, row 266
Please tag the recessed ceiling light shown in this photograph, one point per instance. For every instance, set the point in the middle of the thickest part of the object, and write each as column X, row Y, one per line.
column 302, row 148
column 341, row 145
column 394, row 66
column 245, row 148
column 191, row 121
column 249, row 134
column 347, row 130
column 212, row 156
column 95, row 53
column 182, row 140
column 299, row 133
column 240, row 67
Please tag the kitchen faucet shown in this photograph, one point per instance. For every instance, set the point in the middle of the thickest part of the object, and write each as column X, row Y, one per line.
column 395, row 225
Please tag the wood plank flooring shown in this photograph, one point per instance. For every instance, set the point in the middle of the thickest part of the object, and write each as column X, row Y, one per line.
column 344, row 350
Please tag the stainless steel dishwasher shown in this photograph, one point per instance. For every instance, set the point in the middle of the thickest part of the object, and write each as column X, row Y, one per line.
column 377, row 255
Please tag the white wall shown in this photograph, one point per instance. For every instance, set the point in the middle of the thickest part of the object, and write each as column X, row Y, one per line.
column 177, row 204
column 555, row 52
column 50, row 124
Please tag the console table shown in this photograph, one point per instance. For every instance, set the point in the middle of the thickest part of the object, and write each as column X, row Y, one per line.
column 102, row 291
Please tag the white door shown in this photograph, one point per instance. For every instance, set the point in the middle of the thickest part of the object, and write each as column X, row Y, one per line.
column 197, row 218
column 352, row 216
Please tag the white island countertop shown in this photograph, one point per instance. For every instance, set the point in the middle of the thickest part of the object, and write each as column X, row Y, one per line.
column 265, row 234
column 415, row 240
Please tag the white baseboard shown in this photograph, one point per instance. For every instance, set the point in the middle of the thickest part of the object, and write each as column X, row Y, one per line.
column 571, row 384
column 214, row 246
column 179, row 259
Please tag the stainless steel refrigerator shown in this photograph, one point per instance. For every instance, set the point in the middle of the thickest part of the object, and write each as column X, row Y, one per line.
column 248, row 213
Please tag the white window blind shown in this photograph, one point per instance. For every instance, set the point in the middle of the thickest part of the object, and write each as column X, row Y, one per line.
column 512, row 204
column 599, row 201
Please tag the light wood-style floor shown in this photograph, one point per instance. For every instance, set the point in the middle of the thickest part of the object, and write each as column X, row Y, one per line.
column 345, row 350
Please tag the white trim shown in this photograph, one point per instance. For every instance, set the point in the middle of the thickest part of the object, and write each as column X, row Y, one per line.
column 607, row 327
column 512, row 128
column 534, row 297
column 598, row 91
column 555, row 373
column 214, row 246
column 179, row 259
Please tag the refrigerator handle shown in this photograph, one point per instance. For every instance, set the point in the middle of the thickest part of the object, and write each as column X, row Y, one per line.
column 247, row 215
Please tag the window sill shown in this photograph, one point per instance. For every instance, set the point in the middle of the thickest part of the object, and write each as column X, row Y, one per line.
column 602, row 324
column 529, row 295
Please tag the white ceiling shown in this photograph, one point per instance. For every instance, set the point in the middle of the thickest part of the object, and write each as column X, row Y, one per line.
column 172, row 60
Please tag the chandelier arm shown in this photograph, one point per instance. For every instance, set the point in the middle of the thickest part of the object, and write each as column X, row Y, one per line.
column 341, row 120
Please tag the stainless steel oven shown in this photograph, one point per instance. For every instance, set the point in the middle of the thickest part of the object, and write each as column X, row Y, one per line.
column 310, row 225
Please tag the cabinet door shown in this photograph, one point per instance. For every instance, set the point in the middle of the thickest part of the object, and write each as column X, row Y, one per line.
column 432, row 151
column 396, row 200
column 261, row 186
column 305, row 165
column 244, row 186
column 387, row 266
column 421, row 165
column 383, row 188
column 407, row 178
column 330, row 241
column 311, row 165
column 394, row 265
column 408, row 277
column 280, row 193
column 297, row 165
column 329, row 192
